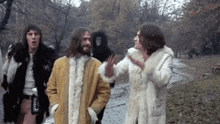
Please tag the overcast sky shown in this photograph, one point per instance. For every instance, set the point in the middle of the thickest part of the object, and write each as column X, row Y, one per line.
column 177, row 3
column 77, row 2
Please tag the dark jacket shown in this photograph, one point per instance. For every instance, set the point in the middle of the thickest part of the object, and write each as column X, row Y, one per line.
column 43, row 61
column 101, row 52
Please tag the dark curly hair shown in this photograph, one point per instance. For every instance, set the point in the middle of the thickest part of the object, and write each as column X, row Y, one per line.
column 153, row 37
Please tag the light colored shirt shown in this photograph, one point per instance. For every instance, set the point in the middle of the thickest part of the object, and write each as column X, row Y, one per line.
column 29, row 78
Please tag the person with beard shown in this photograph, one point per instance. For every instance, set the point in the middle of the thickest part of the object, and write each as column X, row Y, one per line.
column 26, row 72
column 76, row 91
column 101, row 51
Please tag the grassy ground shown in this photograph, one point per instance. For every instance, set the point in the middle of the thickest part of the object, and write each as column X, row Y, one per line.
column 196, row 102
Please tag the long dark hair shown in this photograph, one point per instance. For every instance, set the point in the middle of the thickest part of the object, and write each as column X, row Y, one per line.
column 153, row 37
column 27, row 29
column 75, row 41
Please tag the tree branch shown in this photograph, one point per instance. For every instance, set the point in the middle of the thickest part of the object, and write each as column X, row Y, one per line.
column 4, row 22
column 2, row 1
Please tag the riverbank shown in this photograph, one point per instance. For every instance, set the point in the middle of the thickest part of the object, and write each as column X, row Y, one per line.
column 196, row 101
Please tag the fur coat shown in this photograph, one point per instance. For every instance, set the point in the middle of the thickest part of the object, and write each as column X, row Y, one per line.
column 148, row 92
column 74, row 86
column 14, row 78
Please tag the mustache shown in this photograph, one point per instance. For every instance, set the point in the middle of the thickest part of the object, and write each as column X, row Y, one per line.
column 86, row 46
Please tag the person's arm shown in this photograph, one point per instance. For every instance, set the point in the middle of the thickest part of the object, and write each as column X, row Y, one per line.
column 103, row 92
column 4, row 82
column 163, row 73
column 11, row 65
column 115, row 70
column 52, row 90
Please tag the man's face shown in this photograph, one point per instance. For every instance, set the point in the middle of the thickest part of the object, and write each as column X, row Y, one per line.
column 33, row 40
column 137, row 43
column 136, row 39
column 98, row 41
column 140, row 37
column 86, row 43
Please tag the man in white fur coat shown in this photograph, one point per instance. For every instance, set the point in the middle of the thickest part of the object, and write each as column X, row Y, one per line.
column 149, row 65
column 76, row 91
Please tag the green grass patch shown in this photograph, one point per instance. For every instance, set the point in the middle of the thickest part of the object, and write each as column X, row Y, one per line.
column 196, row 102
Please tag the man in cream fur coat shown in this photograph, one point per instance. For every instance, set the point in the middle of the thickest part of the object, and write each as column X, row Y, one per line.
column 149, row 65
column 76, row 91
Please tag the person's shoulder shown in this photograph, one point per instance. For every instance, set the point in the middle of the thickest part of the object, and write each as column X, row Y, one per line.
column 168, row 51
column 15, row 47
column 61, row 61
column 96, row 61
column 48, row 52
column 47, row 49
column 18, row 51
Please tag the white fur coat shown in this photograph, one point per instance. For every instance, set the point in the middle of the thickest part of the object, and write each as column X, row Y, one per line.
column 147, row 98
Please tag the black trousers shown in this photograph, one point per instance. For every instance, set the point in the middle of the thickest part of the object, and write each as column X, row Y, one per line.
column 100, row 116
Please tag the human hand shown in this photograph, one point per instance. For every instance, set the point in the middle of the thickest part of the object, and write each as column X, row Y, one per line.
column 93, row 115
column 140, row 64
column 109, row 67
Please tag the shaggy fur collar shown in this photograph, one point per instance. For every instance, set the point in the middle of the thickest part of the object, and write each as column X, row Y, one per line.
column 122, row 66
column 135, row 54
column 156, row 60
column 15, row 70
column 75, row 86
column 18, row 55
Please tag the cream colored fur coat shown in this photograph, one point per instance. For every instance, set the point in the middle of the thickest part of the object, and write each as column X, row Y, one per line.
column 148, row 92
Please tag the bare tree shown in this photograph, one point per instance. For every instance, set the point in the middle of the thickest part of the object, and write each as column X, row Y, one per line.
column 199, row 22
column 57, row 18
column 4, row 21
column 115, row 17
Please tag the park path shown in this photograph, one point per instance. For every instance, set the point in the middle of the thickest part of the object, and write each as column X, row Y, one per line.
column 116, row 107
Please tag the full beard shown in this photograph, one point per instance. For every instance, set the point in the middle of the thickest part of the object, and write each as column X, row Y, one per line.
column 81, row 50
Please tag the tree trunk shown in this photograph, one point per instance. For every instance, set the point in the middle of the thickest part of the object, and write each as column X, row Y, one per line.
column 4, row 22
column 57, row 47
